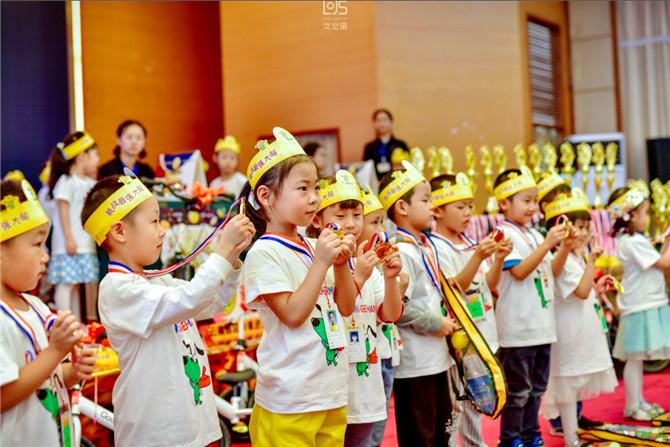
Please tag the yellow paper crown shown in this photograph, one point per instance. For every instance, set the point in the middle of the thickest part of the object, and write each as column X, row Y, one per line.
column 18, row 217
column 45, row 173
column 15, row 175
column 117, row 206
column 547, row 184
column 638, row 192
column 402, row 183
column 516, row 183
column 371, row 202
column 398, row 155
column 567, row 203
column 270, row 154
column 229, row 143
column 75, row 148
column 344, row 188
column 460, row 189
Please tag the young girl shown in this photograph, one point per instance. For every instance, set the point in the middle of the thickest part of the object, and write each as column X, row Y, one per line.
column 73, row 253
column 33, row 396
column 581, row 366
column 644, row 326
column 227, row 156
column 301, row 394
column 378, row 297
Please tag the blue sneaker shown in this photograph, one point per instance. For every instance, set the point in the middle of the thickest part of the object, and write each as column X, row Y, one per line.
column 516, row 442
column 536, row 441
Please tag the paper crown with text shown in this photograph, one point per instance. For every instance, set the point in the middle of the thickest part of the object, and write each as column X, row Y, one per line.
column 343, row 188
column 371, row 202
column 450, row 192
column 547, row 184
column 566, row 203
column 18, row 217
column 638, row 192
column 515, row 183
column 270, row 154
column 228, row 143
column 117, row 206
column 78, row 146
column 402, row 183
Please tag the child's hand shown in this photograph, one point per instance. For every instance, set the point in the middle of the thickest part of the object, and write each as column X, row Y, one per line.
column 503, row 250
column 70, row 246
column 604, row 284
column 486, row 248
column 365, row 263
column 84, row 362
column 392, row 266
column 596, row 251
column 65, row 333
column 328, row 247
column 448, row 327
column 347, row 250
column 234, row 238
column 555, row 235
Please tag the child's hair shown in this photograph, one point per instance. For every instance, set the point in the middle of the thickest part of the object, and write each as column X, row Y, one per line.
column 273, row 178
column 59, row 165
column 122, row 128
column 551, row 195
column 104, row 188
column 311, row 148
column 407, row 197
column 436, row 182
column 620, row 224
column 572, row 216
column 504, row 176
column 350, row 204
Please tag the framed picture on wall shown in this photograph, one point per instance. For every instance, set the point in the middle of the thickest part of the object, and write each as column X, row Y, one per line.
column 329, row 139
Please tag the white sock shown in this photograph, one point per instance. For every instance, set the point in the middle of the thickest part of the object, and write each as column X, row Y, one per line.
column 632, row 379
column 568, row 414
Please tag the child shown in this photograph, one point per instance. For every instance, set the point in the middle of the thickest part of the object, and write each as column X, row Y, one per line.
column 73, row 254
column 301, row 394
column 581, row 366
column 644, row 325
column 226, row 157
column 549, row 185
column 33, row 396
column 525, row 308
column 164, row 394
column 464, row 260
column 421, row 387
column 378, row 297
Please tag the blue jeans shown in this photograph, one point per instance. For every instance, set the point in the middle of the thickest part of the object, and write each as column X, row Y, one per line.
column 380, row 426
column 527, row 372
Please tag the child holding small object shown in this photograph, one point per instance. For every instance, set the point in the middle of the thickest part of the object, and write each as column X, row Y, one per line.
column 150, row 319
column 34, row 378
column 644, row 326
column 581, row 366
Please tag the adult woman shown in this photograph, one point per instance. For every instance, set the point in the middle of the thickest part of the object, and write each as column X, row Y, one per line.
column 131, row 138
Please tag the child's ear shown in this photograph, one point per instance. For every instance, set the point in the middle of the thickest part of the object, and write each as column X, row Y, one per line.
column 401, row 208
column 437, row 212
column 504, row 204
column 317, row 221
column 263, row 194
column 118, row 232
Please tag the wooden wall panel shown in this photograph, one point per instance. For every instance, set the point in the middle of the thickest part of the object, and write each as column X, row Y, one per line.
column 158, row 62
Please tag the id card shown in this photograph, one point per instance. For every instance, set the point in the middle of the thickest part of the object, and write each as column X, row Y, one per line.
column 334, row 328
column 475, row 305
column 356, row 345
column 383, row 167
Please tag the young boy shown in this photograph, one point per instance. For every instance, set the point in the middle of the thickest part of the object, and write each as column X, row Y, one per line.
column 164, row 394
column 462, row 259
column 226, row 157
column 379, row 298
column 525, row 309
column 421, row 387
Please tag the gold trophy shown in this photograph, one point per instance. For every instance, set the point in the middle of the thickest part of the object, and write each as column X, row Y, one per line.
column 500, row 158
column 610, row 159
column 446, row 160
column 584, row 160
column 471, row 165
column 519, row 155
column 549, row 157
column 567, row 161
column 487, row 164
column 433, row 164
column 419, row 162
column 535, row 160
column 598, row 159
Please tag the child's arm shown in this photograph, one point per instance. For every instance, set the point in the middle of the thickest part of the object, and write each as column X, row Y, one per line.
column 485, row 248
column 495, row 271
column 528, row 265
column 392, row 306
column 293, row 308
column 585, row 286
column 64, row 214
column 346, row 291
column 63, row 336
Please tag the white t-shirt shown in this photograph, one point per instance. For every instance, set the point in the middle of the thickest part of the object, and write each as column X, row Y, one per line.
column 298, row 373
column 644, row 285
column 164, row 394
column 367, row 401
column 581, row 347
column 233, row 185
column 32, row 422
column 422, row 354
column 523, row 316
column 72, row 189
column 452, row 259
